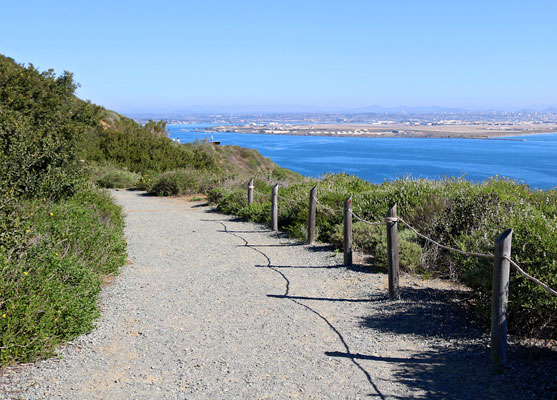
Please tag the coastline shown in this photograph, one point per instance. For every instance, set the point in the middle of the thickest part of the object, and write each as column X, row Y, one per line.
column 389, row 131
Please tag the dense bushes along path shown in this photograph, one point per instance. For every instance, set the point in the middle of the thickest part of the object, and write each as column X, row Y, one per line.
column 210, row 307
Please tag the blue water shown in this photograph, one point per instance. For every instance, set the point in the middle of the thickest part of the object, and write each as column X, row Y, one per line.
column 533, row 161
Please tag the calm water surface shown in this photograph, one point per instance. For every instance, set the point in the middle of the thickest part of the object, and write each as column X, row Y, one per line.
column 533, row 161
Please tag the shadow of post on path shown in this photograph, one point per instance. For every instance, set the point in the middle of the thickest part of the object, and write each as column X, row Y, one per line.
column 457, row 363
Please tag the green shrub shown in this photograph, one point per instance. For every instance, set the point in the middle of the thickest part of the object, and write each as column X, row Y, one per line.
column 409, row 252
column 183, row 181
column 108, row 176
column 372, row 240
column 40, row 124
column 57, row 234
column 119, row 179
column 365, row 237
column 49, row 284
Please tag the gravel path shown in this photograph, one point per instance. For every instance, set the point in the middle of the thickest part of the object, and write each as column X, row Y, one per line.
column 210, row 307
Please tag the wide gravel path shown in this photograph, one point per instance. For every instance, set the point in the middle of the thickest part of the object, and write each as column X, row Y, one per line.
column 210, row 307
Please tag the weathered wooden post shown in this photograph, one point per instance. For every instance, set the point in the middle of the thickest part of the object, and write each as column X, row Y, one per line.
column 311, row 214
column 250, row 192
column 500, row 297
column 392, row 250
column 348, row 232
column 274, row 208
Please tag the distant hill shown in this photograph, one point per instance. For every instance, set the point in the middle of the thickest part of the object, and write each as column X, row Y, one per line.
column 407, row 109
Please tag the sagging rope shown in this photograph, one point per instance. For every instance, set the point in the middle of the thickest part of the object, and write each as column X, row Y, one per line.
column 278, row 195
column 286, row 199
column 327, row 208
column 259, row 193
column 367, row 222
column 524, row 273
column 467, row 253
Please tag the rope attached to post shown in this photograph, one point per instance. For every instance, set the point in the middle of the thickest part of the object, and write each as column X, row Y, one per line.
column 465, row 253
column 428, row 239
column 278, row 195
column 524, row 273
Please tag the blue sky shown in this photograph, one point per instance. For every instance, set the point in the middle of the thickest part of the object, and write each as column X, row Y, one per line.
column 140, row 56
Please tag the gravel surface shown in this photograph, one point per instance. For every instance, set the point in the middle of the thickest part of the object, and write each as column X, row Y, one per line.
column 211, row 307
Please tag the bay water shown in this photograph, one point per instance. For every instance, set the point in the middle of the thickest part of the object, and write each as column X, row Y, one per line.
column 532, row 161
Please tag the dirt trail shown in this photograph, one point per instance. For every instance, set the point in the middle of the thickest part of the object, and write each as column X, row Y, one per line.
column 210, row 307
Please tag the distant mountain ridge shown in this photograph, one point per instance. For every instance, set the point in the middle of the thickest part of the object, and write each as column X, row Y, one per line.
column 408, row 109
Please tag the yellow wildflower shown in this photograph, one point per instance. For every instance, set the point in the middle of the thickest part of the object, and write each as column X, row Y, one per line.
column 27, row 231
column 25, row 273
column 4, row 315
column 56, row 253
column 51, row 214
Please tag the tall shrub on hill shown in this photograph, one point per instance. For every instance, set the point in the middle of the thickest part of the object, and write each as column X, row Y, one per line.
column 142, row 149
column 40, row 123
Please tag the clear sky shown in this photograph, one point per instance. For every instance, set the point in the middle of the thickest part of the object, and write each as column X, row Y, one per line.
column 140, row 56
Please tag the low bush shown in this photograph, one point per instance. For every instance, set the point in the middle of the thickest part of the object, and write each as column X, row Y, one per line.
column 183, row 181
column 111, row 177
column 49, row 282
column 372, row 240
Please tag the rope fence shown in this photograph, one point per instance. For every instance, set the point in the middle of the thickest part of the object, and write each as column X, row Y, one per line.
column 367, row 222
column 426, row 238
column 524, row 273
column 286, row 199
column 501, row 257
column 327, row 208
column 465, row 253
column 259, row 193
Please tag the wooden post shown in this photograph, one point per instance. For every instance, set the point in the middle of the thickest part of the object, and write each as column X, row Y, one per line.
column 274, row 208
column 392, row 250
column 500, row 297
column 348, row 232
column 250, row 192
column 311, row 214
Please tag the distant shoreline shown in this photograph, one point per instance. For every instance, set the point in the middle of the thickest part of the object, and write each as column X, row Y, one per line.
column 482, row 132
